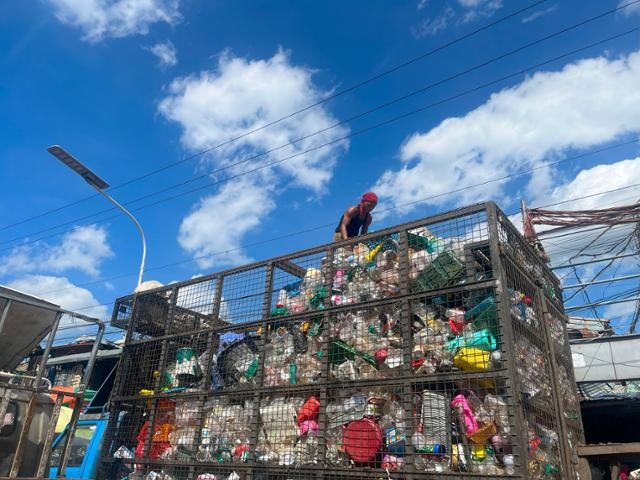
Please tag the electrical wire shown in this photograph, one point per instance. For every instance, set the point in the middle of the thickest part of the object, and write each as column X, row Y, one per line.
column 319, row 227
column 110, row 304
column 332, row 142
column 330, row 97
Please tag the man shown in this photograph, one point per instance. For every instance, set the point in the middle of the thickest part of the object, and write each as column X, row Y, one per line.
column 356, row 220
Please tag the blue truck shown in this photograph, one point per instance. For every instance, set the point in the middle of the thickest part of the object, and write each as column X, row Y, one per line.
column 84, row 450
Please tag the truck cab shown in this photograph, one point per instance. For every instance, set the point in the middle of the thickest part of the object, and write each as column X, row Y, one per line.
column 84, row 450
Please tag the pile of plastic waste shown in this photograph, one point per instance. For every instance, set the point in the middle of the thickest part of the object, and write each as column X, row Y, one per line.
column 366, row 428
column 293, row 353
column 531, row 369
column 464, row 337
column 226, row 431
column 288, row 436
column 522, row 309
column 473, row 439
column 303, row 295
column 365, row 344
column 544, row 451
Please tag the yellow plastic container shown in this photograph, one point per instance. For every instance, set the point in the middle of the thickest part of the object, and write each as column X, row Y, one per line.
column 472, row 359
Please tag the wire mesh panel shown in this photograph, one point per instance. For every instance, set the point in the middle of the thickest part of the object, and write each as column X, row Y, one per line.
column 195, row 307
column 543, row 448
column 294, row 351
column 235, row 362
column 139, row 367
column 126, row 434
column 465, row 427
column 289, row 430
column 150, row 314
column 365, row 343
column 456, row 331
column 449, row 252
column 171, row 471
column 414, row 352
column 299, row 284
column 366, row 271
column 367, row 428
column 515, row 246
column 243, row 295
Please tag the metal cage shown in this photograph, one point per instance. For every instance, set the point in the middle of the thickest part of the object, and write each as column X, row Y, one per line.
column 434, row 348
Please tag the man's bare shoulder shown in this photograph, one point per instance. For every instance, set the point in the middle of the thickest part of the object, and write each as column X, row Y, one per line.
column 352, row 211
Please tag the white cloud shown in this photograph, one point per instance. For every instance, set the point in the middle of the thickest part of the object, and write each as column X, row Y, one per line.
column 115, row 18
column 83, row 249
column 63, row 293
column 166, row 53
column 631, row 9
column 218, row 222
column 467, row 11
column 433, row 26
column 241, row 95
column 477, row 9
column 600, row 178
column 539, row 13
column 587, row 103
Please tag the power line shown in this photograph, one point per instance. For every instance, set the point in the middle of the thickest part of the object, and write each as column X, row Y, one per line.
column 343, row 122
column 280, row 237
column 340, row 139
column 308, row 107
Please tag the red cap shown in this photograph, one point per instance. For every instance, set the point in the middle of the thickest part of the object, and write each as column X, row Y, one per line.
column 370, row 197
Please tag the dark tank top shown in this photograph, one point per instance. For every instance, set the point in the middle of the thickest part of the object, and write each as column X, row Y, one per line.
column 353, row 228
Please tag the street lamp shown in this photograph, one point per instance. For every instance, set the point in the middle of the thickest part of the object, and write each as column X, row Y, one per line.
column 100, row 185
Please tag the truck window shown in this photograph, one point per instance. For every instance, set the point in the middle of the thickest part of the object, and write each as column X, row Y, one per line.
column 77, row 449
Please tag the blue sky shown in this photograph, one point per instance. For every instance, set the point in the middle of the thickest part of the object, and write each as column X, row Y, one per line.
column 129, row 86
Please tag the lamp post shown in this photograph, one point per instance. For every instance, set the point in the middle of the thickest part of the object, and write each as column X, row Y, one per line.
column 100, row 185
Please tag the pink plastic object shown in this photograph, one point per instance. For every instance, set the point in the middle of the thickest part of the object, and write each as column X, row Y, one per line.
column 308, row 426
column 362, row 440
column 470, row 423
column 381, row 355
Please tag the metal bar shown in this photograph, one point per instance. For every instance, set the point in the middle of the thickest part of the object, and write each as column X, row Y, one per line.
column 598, row 304
column 4, row 402
column 48, row 443
column 556, row 397
column 14, row 375
column 94, row 354
column 597, row 260
column 597, row 282
column 608, row 449
column 71, row 428
column 24, row 437
column 506, row 328
column 133, row 219
column 47, row 350
column 461, row 212
column 290, row 267
column 5, row 311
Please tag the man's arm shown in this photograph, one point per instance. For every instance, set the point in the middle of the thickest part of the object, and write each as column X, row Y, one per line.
column 367, row 222
column 346, row 219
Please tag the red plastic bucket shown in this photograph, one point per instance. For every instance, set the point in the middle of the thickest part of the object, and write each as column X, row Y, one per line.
column 362, row 440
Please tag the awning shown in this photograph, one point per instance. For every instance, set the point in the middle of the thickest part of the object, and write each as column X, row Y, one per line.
column 83, row 357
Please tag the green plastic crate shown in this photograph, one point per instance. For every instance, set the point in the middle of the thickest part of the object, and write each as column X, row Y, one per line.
column 445, row 270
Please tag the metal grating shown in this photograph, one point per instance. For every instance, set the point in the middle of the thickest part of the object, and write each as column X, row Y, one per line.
column 422, row 350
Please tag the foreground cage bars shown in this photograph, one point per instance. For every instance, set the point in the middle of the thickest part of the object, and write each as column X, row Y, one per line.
column 41, row 395
column 427, row 349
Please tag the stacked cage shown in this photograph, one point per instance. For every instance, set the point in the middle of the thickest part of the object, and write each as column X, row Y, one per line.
column 435, row 348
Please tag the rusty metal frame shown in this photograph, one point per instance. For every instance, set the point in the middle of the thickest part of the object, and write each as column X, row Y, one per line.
column 36, row 389
column 406, row 382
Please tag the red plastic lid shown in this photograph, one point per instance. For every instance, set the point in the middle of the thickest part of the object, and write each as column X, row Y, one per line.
column 362, row 439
